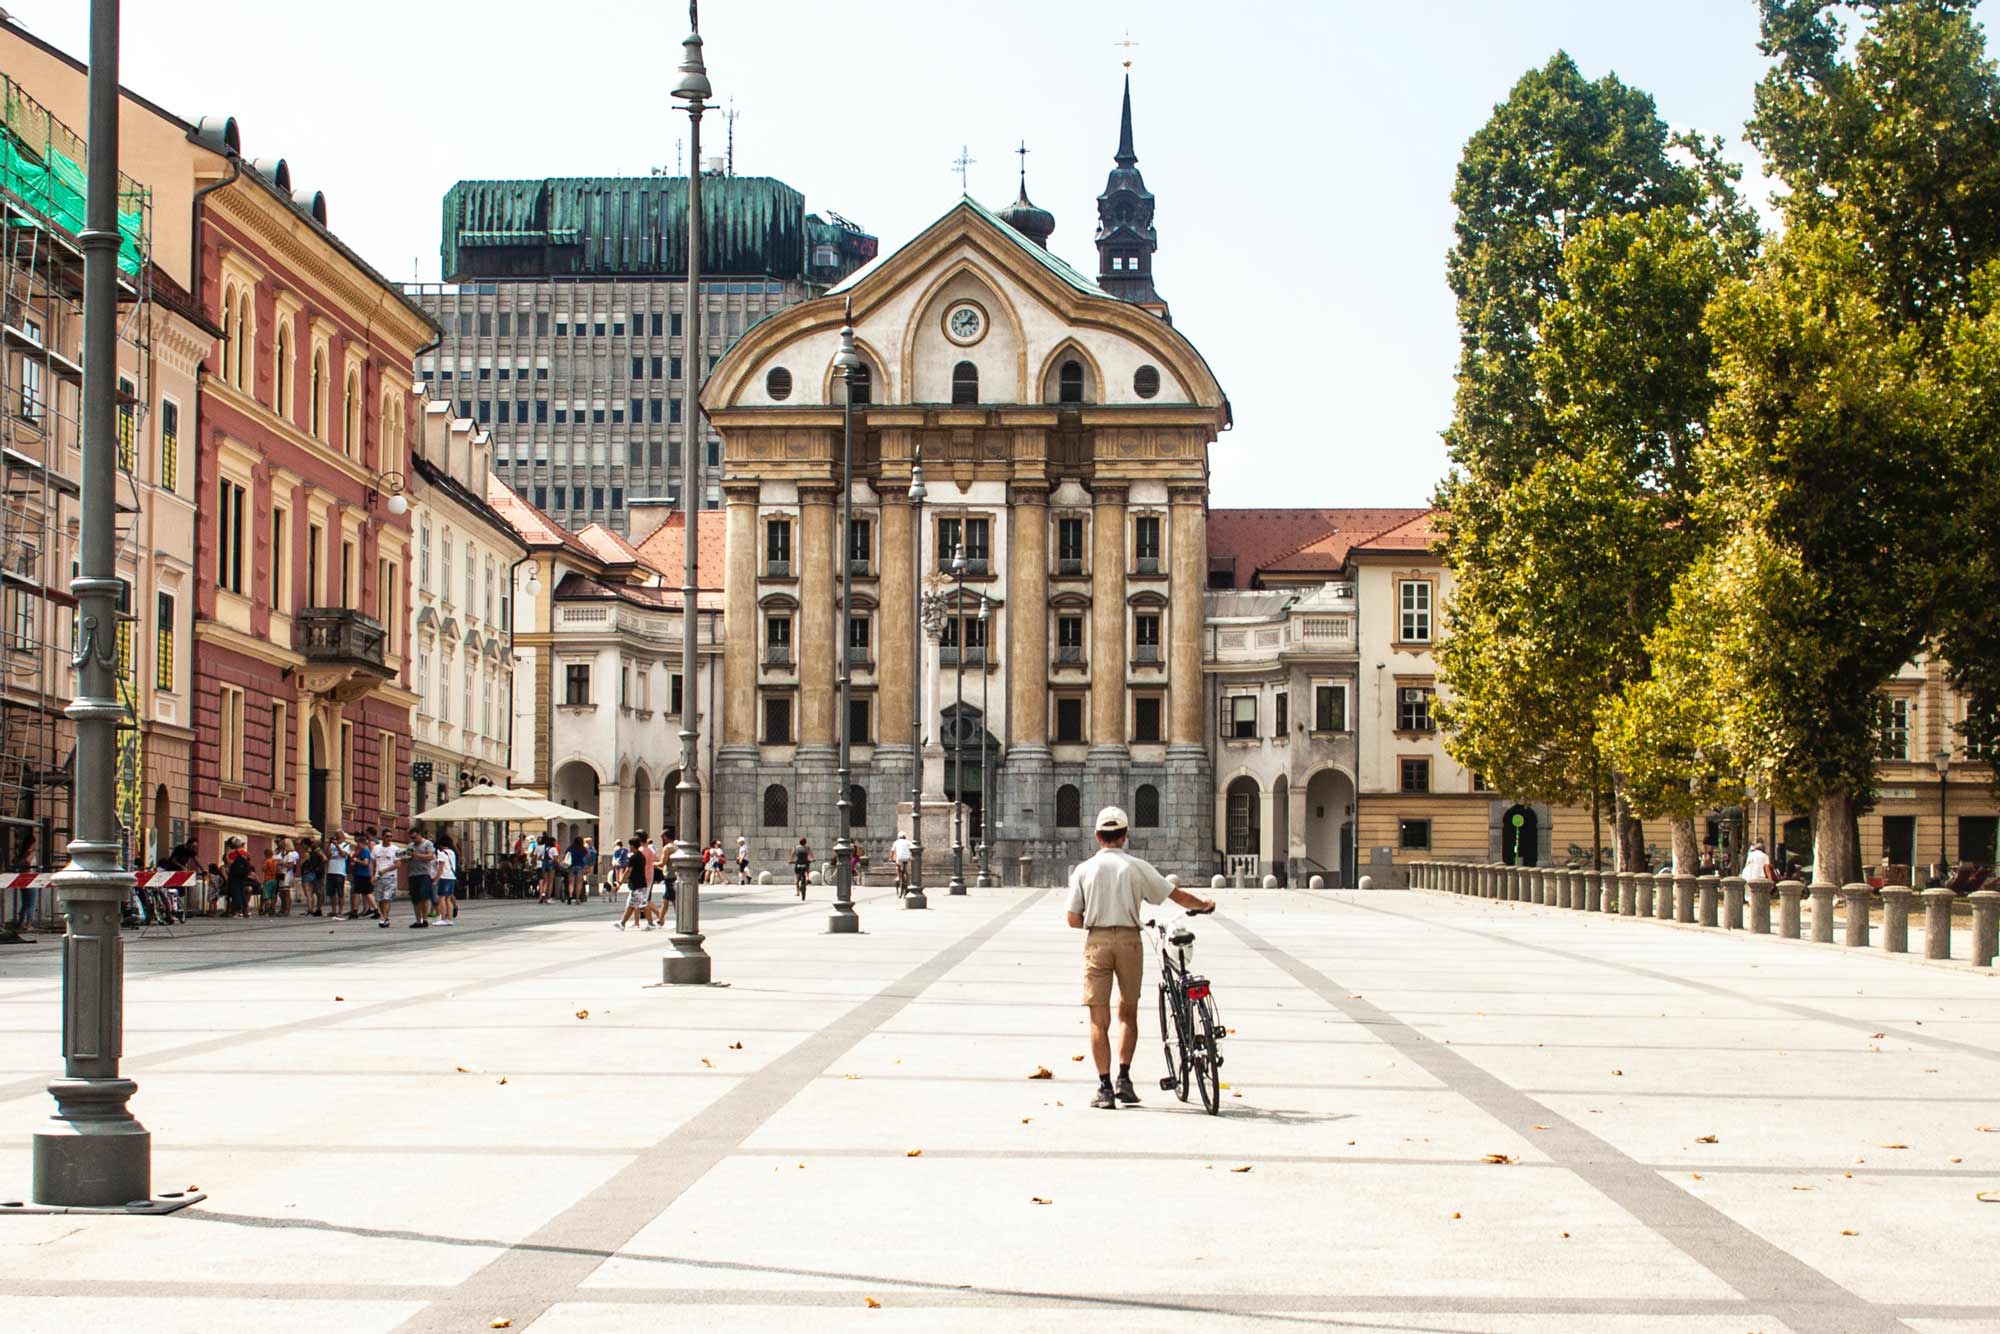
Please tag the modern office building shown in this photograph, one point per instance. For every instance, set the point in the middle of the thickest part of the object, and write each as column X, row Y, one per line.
column 563, row 313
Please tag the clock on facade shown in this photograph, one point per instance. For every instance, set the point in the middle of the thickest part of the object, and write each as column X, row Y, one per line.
column 965, row 323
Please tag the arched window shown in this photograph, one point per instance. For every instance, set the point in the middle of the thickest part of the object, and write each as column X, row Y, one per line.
column 777, row 807
column 1069, row 807
column 861, row 385
column 965, row 383
column 1070, row 382
column 857, row 807
column 230, row 334
column 1146, row 807
column 318, row 404
column 350, row 438
column 246, row 333
column 281, row 396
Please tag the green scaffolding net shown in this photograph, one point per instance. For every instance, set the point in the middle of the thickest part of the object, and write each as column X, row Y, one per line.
column 41, row 163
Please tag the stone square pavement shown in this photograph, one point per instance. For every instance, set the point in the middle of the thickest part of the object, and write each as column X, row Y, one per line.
column 507, row 1121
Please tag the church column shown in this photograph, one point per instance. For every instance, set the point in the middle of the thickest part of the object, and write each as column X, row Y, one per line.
column 1107, row 617
column 1189, row 537
column 1028, row 617
column 739, row 617
column 817, row 608
column 336, row 777
column 894, row 621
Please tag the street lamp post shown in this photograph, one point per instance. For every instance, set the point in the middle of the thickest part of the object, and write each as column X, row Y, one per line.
column 93, row 1153
column 915, row 897
column 957, row 567
column 689, row 963
column 985, row 880
column 845, row 362
column 1943, row 762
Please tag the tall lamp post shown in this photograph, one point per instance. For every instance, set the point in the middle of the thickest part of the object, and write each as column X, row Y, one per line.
column 915, row 897
column 689, row 963
column 985, row 880
column 1943, row 762
column 957, row 568
column 93, row 1153
column 845, row 362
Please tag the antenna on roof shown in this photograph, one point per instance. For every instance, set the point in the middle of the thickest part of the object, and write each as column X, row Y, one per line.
column 1128, row 44
column 730, row 159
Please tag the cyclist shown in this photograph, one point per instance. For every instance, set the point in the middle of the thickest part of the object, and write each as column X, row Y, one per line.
column 1105, row 894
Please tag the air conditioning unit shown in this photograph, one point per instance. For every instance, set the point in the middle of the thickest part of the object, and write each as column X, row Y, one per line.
column 1412, row 694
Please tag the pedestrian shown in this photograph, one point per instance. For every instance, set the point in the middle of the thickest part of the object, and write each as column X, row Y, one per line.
column 288, row 874
column 336, row 872
column 621, row 857
column 444, row 880
column 903, row 853
column 238, row 874
column 361, row 872
column 638, row 886
column 1757, row 863
column 383, row 856
column 589, row 867
column 545, row 851
column 419, row 867
column 802, row 860
column 312, row 871
column 660, row 875
column 742, row 860
column 268, row 880
column 1105, row 894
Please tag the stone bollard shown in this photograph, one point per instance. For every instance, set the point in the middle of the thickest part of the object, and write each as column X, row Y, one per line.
column 1985, row 927
column 1317, row 882
column 1027, row 865
column 1708, row 894
column 1789, row 892
column 1760, row 906
column 1552, row 881
column 1593, row 892
column 1855, row 898
column 1896, row 918
column 1642, row 892
column 1684, row 886
column 1216, row 882
column 1628, row 893
column 1366, row 882
column 1822, row 911
column 1517, row 883
column 1663, row 894
column 1937, row 923
column 1270, row 882
column 763, row 877
column 1489, row 880
column 1732, row 903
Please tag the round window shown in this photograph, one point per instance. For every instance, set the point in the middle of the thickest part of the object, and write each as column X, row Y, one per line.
column 778, row 384
column 1146, row 381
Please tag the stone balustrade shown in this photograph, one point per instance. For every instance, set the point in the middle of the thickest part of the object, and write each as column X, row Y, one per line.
column 1731, row 903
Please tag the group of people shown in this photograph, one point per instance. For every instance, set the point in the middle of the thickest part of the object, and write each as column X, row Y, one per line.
column 324, row 875
column 638, row 867
column 564, row 873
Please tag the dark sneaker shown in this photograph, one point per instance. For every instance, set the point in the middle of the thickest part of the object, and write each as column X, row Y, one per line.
column 1126, row 1093
column 1104, row 1098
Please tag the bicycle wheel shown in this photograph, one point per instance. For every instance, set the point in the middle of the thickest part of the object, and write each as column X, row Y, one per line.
column 1173, row 1042
column 1206, row 1060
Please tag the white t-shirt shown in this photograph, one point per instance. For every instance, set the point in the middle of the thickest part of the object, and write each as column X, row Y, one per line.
column 1109, row 888
column 742, row 848
column 290, row 864
column 901, row 849
column 1757, row 866
column 383, row 856
column 446, row 864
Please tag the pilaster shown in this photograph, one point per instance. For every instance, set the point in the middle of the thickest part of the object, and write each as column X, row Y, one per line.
column 819, row 638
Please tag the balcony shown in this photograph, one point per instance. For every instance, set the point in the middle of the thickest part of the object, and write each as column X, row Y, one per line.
column 1070, row 654
column 778, row 655
column 1146, row 655
column 777, row 569
column 345, row 651
column 858, row 567
column 1148, row 565
column 1069, row 565
column 857, row 655
column 975, row 655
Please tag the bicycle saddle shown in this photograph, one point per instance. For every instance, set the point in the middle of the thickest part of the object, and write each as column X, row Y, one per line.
column 1181, row 936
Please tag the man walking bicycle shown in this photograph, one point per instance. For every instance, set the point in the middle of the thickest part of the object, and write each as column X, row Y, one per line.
column 1105, row 898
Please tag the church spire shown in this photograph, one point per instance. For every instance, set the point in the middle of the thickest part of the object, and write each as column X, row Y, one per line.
column 1125, row 236
column 1037, row 224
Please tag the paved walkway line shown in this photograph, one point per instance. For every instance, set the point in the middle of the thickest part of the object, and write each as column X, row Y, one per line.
column 548, row 1266
column 1789, row 1007
column 1769, row 1279
column 22, row 1088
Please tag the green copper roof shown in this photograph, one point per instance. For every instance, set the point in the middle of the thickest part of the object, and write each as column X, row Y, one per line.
column 1048, row 259
column 613, row 225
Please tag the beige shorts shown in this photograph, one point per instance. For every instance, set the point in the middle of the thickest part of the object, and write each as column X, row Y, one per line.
column 1108, row 952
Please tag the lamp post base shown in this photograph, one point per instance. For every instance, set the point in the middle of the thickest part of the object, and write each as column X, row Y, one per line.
column 843, row 920
column 688, row 965
column 915, row 899
column 957, row 886
column 94, row 1153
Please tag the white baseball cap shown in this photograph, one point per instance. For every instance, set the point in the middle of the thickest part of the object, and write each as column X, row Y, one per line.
column 1112, row 818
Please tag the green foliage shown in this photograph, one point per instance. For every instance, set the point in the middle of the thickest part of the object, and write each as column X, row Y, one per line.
column 1969, row 626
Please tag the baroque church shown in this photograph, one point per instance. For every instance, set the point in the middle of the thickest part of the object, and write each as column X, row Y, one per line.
column 1061, row 425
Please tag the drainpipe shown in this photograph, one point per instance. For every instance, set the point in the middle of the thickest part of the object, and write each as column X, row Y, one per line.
column 513, row 663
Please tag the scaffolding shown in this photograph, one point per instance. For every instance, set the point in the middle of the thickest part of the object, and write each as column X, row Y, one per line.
column 42, row 192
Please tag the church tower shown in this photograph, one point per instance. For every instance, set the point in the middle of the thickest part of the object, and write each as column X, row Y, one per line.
column 1125, row 236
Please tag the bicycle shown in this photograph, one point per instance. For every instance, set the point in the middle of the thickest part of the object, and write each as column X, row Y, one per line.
column 1190, row 1027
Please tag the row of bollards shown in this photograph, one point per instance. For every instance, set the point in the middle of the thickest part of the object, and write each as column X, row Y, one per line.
column 1727, row 903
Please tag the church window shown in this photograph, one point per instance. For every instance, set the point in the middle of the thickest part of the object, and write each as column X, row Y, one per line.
column 1070, row 382
column 1146, row 381
column 778, row 547
column 777, row 728
column 1069, row 639
column 1069, row 718
column 1146, row 711
column 777, row 804
column 857, row 796
column 778, row 384
column 860, row 385
column 1069, row 807
column 1069, row 546
column 1146, row 543
column 1146, row 807
column 965, row 383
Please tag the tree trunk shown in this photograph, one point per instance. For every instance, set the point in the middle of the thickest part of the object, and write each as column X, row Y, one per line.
column 1631, row 834
column 1687, row 857
column 1834, row 859
column 1596, row 826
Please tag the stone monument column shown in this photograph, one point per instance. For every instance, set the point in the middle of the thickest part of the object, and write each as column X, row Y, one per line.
column 1027, row 790
column 1107, row 619
column 741, row 639
column 820, row 640
column 895, row 623
column 1188, row 817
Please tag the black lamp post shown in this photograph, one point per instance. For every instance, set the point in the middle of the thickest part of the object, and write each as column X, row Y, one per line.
column 1943, row 762
column 689, row 963
column 985, row 880
column 845, row 920
column 915, row 897
column 957, row 568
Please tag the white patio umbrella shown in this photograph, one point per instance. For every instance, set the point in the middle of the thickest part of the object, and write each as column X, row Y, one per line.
column 501, row 804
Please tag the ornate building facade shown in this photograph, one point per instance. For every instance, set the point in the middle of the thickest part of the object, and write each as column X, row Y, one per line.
column 1063, row 434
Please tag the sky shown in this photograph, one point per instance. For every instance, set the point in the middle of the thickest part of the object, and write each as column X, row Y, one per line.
column 1301, row 152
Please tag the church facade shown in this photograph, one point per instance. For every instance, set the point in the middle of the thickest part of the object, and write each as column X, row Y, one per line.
column 1062, row 427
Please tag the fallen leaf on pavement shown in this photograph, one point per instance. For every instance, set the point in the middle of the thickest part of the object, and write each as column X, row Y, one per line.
column 914, row 1153
column 1026, row 1119
column 1618, row 1072
column 499, row 1322
column 1805, row 1188
column 1695, row 1176
column 1235, row 1093
column 1565, row 1234
column 1958, row 1160
column 1892, row 1146
column 1988, row 1197
column 1036, row 1199
column 1499, row 1159
column 463, row 1071
column 1878, row 1035
column 1541, row 1127
column 737, row 1046
column 1245, row 1168
column 1076, row 1058
column 1455, row 1213
column 1706, row 1139
column 1849, row 1232
column 583, row 1014
column 340, row 998
column 1041, row 1072
column 710, row 1064
column 873, row 1305
column 501, row 1080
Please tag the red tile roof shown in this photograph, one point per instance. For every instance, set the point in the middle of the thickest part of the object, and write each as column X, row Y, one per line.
column 664, row 550
column 1293, row 541
column 1417, row 535
column 537, row 529
column 610, row 548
